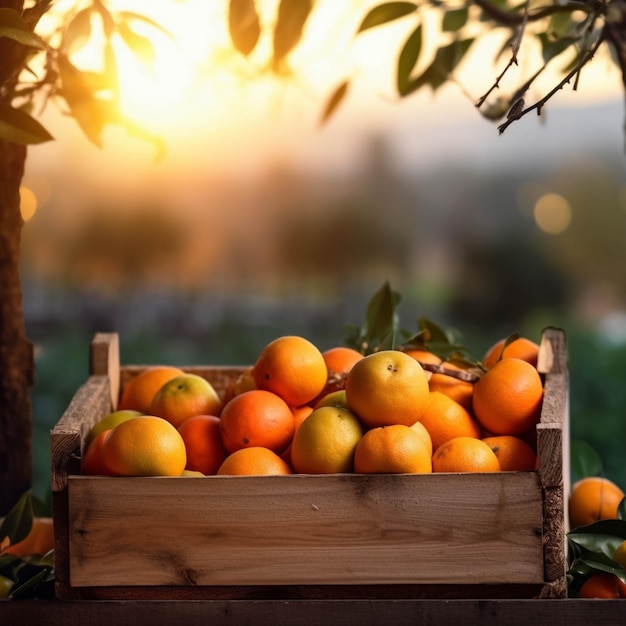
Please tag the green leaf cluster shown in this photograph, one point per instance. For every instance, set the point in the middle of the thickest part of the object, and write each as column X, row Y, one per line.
column 91, row 98
column 32, row 575
column 381, row 330
column 591, row 549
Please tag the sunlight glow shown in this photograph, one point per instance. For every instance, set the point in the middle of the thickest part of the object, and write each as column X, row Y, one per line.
column 28, row 203
column 553, row 213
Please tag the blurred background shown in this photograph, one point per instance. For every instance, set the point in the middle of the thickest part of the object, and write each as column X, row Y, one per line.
column 259, row 222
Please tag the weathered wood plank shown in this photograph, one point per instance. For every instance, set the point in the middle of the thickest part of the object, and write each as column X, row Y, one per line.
column 306, row 530
column 330, row 613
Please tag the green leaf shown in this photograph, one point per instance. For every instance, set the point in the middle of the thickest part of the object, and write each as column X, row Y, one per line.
column 600, row 537
column 438, row 72
column 108, row 23
column 584, row 461
column 243, row 25
column 334, row 101
column 603, row 563
column 292, row 16
column 381, row 317
column 409, row 56
column 89, row 112
column 433, row 332
column 130, row 16
column 455, row 19
column 78, row 30
column 20, row 127
column 14, row 27
column 18, row 521
column 551, row 48
column 384, row 13
column 142, row 47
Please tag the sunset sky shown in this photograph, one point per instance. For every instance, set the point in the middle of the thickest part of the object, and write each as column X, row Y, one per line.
column 214, row 120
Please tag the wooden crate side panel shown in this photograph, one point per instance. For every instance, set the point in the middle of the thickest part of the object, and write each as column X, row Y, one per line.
column 89, row 404
column 340, row 529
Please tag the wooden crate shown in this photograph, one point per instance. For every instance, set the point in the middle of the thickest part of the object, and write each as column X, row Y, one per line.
column 341, row 536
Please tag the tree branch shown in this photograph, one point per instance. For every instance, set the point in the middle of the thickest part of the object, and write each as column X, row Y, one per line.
column 574, row 72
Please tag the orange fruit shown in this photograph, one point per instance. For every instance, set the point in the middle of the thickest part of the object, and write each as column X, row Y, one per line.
column 292, row 368
column 445, row 419
column 110, row 421
column 593, row 498
column 140, row 390
column 144, row 446
column 183, row 397
column 257, row 418
column 203, row 443
column 253, row 461
column 325, row 442
column 334, row 398
column 460, row 391
column 387, row 387
column 420, row 429
column 513, row 453
column 395, row 449
column 520, row 348
column 40, row 539
column 340, row 359
column 602, row 585
column 465, row 454
column 93, row 459
column 300, row 413
column 507, row 398
column 424, row 356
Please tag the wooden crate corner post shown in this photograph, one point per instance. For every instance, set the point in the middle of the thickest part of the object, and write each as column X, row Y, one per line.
column 553, row 451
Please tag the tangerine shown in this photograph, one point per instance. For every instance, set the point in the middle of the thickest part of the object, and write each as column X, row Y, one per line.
column 93, row 459
column 445, row 419
column 203, row 443
column 513, row 453
column 40, row 539
column 291, row 367
column 460, row 391
column 138, row 393
column 183, row 397
column 387, row 387
column 394, row 449
column 507, row 398
column 593, row 498
column 144, row 446
column 465, row 454
column 325, row 442
column 603, row 585
column 253, row 461
column 257, row 418
column 520, row 348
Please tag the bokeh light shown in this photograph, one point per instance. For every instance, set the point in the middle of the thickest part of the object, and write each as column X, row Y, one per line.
column 28, row 203
column 553, row 213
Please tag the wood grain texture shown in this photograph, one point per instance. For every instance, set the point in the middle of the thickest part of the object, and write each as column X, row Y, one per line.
column 104, row 360
column 306, row 530
column 364, row 612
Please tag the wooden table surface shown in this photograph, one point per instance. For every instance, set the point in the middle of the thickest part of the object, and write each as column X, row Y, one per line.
column 323, row 612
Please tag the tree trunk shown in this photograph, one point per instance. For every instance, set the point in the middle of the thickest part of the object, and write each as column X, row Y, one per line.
column 16, row 353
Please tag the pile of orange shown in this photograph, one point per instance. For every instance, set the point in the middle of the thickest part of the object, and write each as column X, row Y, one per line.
column 302, row 410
